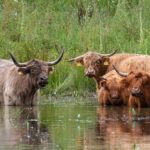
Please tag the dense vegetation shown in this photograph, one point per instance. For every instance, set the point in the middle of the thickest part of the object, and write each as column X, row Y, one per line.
column 31, row 29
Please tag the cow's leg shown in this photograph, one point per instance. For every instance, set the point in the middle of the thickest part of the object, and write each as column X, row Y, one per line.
column 36, row 97
column 1, row 99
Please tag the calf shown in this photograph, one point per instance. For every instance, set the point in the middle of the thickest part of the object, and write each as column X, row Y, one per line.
column 109, row 92
column 137, row 84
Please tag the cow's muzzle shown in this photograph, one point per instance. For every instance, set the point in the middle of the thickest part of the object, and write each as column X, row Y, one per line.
column 115, row 97
column 43, row 81
column 136, row 92
column 90, row 74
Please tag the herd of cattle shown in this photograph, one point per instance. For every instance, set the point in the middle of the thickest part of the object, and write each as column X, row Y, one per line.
column 121, row 79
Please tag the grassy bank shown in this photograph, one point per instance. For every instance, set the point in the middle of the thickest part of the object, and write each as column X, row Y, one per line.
column 31, row 29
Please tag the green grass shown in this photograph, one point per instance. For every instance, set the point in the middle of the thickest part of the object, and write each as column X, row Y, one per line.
column 31, row 29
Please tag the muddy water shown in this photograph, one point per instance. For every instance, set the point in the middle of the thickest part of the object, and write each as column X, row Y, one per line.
column 74, row 126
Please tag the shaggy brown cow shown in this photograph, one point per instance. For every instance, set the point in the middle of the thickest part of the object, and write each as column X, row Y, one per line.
column 137, row 84
column 19, row 82
column 109, row 92
column 97, row 65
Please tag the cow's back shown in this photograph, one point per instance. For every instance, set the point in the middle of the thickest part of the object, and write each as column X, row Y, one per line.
column 130, row 62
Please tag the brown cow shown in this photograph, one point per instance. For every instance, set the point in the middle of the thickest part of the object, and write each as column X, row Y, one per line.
column 19, row 82
column 137, row 84
column 96, row 65
column 109, row 92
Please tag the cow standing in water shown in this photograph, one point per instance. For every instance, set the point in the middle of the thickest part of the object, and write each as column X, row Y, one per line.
column 96, row 65
column 137, row 85
column 19, row 82
column 109, row 92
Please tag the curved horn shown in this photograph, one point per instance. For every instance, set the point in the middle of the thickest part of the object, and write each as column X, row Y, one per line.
column 102, row 78
column 120, row 73
column 71, row 60
column 57, row 60
column 76, row 58
column 109, row 55
column 15, row 61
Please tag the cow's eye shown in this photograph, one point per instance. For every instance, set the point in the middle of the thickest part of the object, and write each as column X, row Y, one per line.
column 98, row 61
column 34, row 71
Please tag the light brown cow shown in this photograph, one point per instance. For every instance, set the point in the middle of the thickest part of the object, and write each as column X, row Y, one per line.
column 19, row 82
column 109, row 92
column 137, row 84
column 96, row 65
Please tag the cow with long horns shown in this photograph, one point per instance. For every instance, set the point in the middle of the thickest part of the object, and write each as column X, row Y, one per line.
column 137, row 85
column 19, row 82
column 96, row 64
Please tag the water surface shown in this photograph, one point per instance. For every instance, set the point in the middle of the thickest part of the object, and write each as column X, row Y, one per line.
column 74, row 126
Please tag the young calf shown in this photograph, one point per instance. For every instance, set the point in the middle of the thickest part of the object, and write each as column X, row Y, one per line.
column 137, row 84
column 109, row 92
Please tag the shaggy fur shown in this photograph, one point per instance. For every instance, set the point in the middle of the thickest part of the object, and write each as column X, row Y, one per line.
column 109, row 92
column 18, row 88
column 137, row 80
column 96, row 65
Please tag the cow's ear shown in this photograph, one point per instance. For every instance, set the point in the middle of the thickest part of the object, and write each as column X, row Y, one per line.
column 23, row 70
column 79, row 61
column 106, row 61
column 50, row 70
column 124, row 82
column 103, row 83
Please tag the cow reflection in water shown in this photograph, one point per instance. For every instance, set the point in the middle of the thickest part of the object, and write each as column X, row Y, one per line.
column 36, row 133
column 116, row 130
column 22, row 126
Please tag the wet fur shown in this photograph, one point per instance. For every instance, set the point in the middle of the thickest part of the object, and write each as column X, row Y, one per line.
column 16, row 89
column 112, row 83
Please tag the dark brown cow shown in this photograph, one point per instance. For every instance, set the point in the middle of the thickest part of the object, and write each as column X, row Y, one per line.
column 137, row 84
column 109, row 92
column 19, row 82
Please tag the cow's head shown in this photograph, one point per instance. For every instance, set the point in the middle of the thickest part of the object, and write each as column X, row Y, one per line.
column 38, row 70
column 94, row 64
column 111, row 87
column 135, row 82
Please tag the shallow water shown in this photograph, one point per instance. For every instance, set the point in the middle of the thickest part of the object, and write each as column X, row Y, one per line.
column 74, row 126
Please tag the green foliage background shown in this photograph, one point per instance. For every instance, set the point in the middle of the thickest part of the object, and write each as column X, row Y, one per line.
column 32, row 28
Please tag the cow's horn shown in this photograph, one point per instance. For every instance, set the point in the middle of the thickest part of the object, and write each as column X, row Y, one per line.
column 76, row 58
column 109, row 55
column 123, row 74
column 15, row 61
column 71, row 60
column 57, row 60
column 103, row 78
